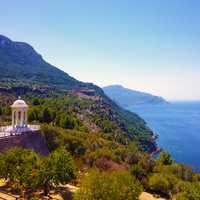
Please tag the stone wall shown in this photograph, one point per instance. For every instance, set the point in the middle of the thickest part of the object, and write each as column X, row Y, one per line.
column 30, row 140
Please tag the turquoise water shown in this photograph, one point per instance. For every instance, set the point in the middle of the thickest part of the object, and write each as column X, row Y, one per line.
column 178, row 127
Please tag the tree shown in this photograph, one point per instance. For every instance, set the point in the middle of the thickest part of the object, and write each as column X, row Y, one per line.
column 17, row 165
column 46, row 115
column 36, row 101
column 165, row 158
column 67, row 121
column 53, row 137
column 55, row 169
column 104, row 186
column 33, row 114
column 27, row 170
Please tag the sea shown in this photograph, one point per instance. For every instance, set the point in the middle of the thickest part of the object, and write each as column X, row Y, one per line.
column 178, row 127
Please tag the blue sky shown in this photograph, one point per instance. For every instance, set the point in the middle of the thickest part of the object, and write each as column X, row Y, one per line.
column 148, row 45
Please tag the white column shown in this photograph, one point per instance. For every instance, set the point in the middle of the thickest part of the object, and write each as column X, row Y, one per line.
column 13, row 119
column 17, row 117
column 26, row 118
column 22, row 118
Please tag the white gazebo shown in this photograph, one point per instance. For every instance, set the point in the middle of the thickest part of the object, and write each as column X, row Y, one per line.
column 19, row 113
column 19, row 120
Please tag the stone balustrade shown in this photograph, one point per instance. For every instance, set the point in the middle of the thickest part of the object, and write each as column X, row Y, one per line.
column 6, row 131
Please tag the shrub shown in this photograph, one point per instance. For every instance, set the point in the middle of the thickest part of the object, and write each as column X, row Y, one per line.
column 163, row 183
column 137, row 171
column 115, row 186
column 191, row 192
column 165, row 158
column 67, row 121
column 36, row 101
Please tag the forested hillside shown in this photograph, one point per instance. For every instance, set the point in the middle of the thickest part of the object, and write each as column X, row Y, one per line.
column 25, row 73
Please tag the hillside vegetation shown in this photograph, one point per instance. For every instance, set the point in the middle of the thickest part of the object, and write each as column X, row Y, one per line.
column 24, row 73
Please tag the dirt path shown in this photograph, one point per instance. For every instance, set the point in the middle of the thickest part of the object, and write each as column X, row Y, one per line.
column 4, row 196
column 147, row 196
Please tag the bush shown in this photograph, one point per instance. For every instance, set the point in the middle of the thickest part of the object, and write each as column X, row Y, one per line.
column 36, row 101
column 67, row 121
column 115, row 186
column 165, row 158
column 137, row 171
column 164, row 184
column 191, row 192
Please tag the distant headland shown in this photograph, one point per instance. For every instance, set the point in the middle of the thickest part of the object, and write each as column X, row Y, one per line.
column 127, row 97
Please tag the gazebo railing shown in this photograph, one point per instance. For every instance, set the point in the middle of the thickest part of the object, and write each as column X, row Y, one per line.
column 6, row 131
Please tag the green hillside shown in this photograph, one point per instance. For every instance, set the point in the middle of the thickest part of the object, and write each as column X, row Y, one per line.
column 25, row 73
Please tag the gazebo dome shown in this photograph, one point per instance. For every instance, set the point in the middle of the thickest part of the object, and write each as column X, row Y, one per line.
column 19, row 104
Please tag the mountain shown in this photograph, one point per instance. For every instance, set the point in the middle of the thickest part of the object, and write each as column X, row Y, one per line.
column 127, row 98
column 24, row 72
column 19, row 61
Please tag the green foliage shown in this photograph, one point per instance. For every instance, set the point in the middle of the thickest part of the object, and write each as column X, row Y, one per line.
column 33, row 114
column 181, row 171
column 46, row 115
column 103, row 186
column 163, row 183
column 52, row 136
column 36, row 101
column 165, row 158
column 106, row 125
column 73, row 141
column 67, row 121
column 27, row 170
column 56, row 169
column 137, row 171
column 191, row 192
column 6, row 110
column 18, row 165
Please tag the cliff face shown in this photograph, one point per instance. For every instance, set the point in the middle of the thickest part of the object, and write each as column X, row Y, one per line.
column 31, row 140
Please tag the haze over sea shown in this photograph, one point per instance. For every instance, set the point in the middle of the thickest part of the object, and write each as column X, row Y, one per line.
column 178, row 127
